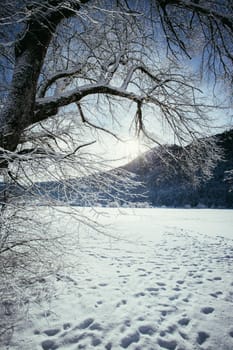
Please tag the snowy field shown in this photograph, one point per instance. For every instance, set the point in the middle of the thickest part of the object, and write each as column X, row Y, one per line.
column 166, row 283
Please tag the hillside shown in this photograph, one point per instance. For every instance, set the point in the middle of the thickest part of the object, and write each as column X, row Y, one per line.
column 114, row 188
column 154, row 179
column 168, row 184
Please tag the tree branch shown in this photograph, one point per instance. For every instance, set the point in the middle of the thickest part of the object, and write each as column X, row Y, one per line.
column 92, row 125
column 46, row 106
column 52, row 78
column 78, row 148
column 225, row 19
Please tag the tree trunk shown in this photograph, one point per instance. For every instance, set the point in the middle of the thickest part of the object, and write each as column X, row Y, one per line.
column 30, row 51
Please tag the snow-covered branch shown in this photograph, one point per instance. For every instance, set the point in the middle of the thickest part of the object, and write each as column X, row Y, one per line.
column 48, row 105
column 54, row 77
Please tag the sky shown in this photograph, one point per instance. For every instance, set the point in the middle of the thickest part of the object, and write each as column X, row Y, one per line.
column 122, row 152
column 118, row 152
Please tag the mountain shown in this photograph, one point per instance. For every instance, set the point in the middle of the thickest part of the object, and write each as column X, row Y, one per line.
column 168, row 183
column 113, row 188
column 155, row 178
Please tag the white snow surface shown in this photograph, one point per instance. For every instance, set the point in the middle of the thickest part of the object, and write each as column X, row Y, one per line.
column 165, row 282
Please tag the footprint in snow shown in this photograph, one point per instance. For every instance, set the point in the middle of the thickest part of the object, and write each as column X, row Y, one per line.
column 161, row 284
column 147, row 329
column 51, row 332
column 122, row 302
column 95, row 341
column 231, row 334
column 127, row 323
column 216, row 294
column 141, row 319
column 71, row 339
column 49, row 345
column 66, row 325
column 202, row 337
column 184, row 321
column 186, row 300
column 180, row 281
column 129, row 339
column 85, row 324
column 171, row 329
column 96, row 327
column 108, row 346
column 207, row 310
column 140, row 294
column 152, row 289
column 173, row 297
column 167, row 344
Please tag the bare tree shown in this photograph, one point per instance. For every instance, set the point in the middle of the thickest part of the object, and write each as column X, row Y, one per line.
column 68, row 67
column 84, row 51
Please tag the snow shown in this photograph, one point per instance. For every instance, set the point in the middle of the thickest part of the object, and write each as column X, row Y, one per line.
column 166, row 284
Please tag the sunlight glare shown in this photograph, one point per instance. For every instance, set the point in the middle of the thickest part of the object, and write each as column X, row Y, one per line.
column 131, row 149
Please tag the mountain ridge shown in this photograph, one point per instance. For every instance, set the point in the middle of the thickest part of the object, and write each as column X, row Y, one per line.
column 148, row 180
column 176, row 189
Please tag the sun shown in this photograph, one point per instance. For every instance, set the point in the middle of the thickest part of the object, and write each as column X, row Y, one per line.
column 126, row 150
column 131, row 149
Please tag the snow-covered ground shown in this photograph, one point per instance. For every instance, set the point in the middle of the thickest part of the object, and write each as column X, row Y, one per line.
column 167, row 284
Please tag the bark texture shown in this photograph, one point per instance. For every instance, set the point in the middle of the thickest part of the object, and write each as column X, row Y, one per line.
column 30, row 50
